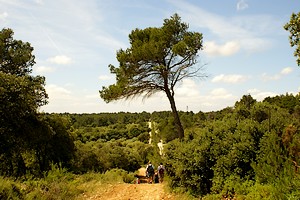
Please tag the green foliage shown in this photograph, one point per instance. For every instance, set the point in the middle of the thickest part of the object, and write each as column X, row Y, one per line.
column 56, row 184
column 122, row 143
column 158, row 59
column 9, row 189
column 167, row 130
column 246, row 101
column 293, row 26
column 189, row 165
column 30, row 141
column 59, row 184
column 222, row 149
column 107, row 119
column 287, row 101
column 165, row 124
column 284, row 188
column 119, row 176
column 155, row 54
column 25, row 134
column 15, row 56
column 113, row 132
column 249, row 151
column 236, row 150
column 237, row 156
column 100, row 157
column 270, row 160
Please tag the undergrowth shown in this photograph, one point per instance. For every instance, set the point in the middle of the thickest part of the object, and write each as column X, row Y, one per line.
column 59, row 184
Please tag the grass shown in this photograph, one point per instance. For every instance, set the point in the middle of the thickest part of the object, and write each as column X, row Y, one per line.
column 60, row 184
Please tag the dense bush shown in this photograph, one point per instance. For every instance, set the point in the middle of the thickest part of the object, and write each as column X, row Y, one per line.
column 59, row 184
column 102, row 156
column 252, row 147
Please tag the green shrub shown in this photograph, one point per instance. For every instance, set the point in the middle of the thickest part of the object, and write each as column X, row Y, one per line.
column 212, row 197
column 189, row 165
column 118, row 176
column 261, row 192
column 10, row 189
column 56, row 184
column 91, row 176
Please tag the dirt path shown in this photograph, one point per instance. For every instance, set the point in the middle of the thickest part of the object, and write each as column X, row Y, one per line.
column 134, row 192
column 123, row 191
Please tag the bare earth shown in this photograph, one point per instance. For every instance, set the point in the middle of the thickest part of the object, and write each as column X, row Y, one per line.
column 123, row 191
column 134, row 192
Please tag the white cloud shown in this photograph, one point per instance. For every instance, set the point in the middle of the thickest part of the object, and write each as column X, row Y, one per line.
column 216, row 99
column 3, row 16
column 188, row 89
column 60, row 60
column 278, row 76
column 220, row 93
column 227, row 49
column 231, row 78
column 266, row 77
column 44, row 69
column 57, row 93
column 226, row 29
column 253, row 91
column 109, row 42
column 252, row 44
column 105, row 77
column 260, row 95
column 40, row 2
column 241, row 5
column 92, row 96
column 286, row 71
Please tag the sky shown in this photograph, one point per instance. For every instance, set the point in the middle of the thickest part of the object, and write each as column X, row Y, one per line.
column 246, row 50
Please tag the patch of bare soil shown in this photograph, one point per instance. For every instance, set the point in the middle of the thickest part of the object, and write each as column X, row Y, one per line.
column 134, row 192
column 123, row 191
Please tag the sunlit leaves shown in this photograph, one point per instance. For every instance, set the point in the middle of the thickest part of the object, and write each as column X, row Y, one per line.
column 155, row 60
column 293, row 26
column 15, row 56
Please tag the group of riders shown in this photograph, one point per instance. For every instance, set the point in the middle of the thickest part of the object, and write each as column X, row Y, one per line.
column 155, row 176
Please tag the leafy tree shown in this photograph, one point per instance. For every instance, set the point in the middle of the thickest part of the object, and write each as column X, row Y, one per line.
column 15, row 56
column 189, row 165
column 276, row 165
column 158, row 59
column 287, row 101
column 20, row 97
column 246, row 101
column 243, row 106
column 29, row 140
column 293, row 26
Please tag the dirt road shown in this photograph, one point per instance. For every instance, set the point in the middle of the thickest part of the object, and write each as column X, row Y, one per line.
column 134, row 192
column 123, row 191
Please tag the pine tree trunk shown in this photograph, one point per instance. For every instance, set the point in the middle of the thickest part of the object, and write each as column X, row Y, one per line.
column 177, row 121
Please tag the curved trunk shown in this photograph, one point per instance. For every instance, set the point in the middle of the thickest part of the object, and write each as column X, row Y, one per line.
column 177, row 121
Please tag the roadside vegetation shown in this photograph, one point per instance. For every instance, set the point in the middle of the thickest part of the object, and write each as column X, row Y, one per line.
column 250, row 150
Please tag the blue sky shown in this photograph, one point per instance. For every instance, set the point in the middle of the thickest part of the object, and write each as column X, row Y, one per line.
column 246, row 50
